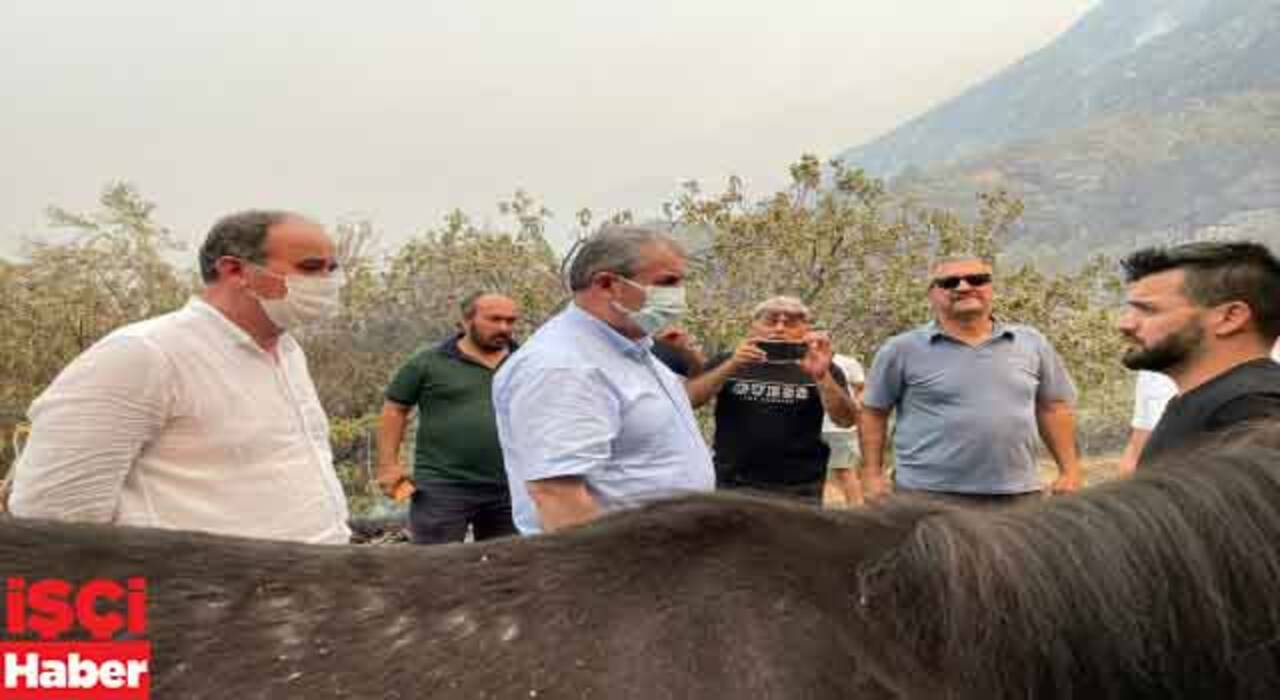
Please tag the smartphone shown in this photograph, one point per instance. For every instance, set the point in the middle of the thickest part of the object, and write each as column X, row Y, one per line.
column 779, row 351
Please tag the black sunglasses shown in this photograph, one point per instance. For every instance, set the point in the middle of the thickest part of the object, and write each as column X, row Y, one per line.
column 978, row 280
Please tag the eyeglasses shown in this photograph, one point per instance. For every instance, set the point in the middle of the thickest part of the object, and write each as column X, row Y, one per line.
column 787, row 320
column 978, row 280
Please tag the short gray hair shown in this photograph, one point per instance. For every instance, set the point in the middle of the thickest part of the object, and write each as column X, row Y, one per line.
column 782, row 304
column 960, row 257
column 241, row 235
column 614, row 249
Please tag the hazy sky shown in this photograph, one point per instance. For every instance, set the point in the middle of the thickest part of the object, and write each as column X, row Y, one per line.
column 401, row 110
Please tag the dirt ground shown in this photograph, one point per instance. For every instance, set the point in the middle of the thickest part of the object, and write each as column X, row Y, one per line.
column 1097, row 469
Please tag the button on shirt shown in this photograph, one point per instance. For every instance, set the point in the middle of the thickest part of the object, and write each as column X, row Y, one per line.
column 966, row 415
column 580, row 399
column 184, row 422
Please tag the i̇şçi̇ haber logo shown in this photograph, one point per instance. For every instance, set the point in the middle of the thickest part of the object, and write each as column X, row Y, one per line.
column 75, row 641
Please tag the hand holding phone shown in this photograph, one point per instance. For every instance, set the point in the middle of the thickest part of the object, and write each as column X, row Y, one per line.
column 782, row 351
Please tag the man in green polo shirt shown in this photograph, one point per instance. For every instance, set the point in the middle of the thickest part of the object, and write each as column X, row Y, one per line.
column 458, row 476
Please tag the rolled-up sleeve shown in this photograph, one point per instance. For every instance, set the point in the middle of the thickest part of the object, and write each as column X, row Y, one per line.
column 87, row 430
column 560, row 422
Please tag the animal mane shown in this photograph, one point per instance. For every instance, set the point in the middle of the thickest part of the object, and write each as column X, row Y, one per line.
column 1159, row 586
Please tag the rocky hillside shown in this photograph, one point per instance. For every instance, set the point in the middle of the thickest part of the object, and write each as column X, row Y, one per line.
column 1148, row 120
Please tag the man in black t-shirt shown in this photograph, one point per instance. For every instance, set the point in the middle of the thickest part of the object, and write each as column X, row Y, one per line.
column 1207, row 314
column 768, row 434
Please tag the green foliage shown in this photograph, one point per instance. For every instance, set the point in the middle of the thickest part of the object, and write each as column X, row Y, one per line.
column 835, row 238
column 860, row 260
column 110, row 272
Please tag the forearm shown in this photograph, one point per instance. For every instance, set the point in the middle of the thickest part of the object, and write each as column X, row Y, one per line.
column 696, row 363
column 837, row 402
column 391, row 427
column 703, row 387
column 872, row 433
column 562, row 502
column 1132, row 451
column 1057, row 425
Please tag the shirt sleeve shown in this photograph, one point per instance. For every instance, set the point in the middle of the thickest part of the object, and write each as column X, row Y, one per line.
column 852, row 370
column 1151, row 393
column 885, row 381
column 563, row 423
column 668, row 356
column 406, row 385
column 88, row 428
column 1055, row 381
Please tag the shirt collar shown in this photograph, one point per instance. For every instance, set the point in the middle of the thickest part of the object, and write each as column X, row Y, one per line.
column 999, row 329
column 230, row 330
column 449, row 348
column 631, row 348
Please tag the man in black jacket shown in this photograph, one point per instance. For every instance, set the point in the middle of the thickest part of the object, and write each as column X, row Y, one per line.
column 1207, row 314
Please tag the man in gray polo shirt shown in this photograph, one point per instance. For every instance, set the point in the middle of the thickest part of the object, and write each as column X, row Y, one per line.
column 971, row 394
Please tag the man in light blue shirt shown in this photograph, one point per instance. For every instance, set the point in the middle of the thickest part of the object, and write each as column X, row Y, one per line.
column 971, row 394
column 589, row 420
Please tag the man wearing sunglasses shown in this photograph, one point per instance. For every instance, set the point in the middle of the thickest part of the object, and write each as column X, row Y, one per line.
column 971, row 394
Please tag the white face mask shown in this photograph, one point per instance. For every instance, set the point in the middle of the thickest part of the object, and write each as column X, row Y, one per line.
column 662, row 307
column 307, row 299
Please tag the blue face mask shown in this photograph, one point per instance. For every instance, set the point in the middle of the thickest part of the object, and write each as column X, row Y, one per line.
column 662, row 307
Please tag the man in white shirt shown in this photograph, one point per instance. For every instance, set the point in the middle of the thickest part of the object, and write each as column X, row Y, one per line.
column 1151, row 392
column 205, row 418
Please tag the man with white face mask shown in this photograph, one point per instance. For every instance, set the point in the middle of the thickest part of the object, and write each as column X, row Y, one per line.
column 205, row 418
column 588, row 418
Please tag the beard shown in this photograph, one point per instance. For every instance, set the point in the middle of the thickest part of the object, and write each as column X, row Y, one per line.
column 1173, row 350
column 489, row 343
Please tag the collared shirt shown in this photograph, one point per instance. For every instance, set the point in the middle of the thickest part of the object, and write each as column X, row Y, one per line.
column 457, row 438
column 580, row 399
column 966, row 415
column 183, row 421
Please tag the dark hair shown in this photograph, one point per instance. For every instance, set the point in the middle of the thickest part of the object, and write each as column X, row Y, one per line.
column 613, row 249
column 1147, row 587
column 468, row 303
column 240, row 235
column 1160, row 586
column 1218, row 272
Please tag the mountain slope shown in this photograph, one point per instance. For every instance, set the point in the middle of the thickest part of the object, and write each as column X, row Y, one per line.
column 1150, row 120
column 1123, row 56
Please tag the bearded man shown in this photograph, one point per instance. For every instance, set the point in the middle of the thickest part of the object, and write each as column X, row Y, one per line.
column 458, row 477
column 1207, row 315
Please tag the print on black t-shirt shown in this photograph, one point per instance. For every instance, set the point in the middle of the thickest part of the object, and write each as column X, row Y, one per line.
column 769, row 426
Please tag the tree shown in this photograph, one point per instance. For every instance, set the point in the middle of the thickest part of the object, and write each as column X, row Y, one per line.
column 859, row 258
column 66, row 296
